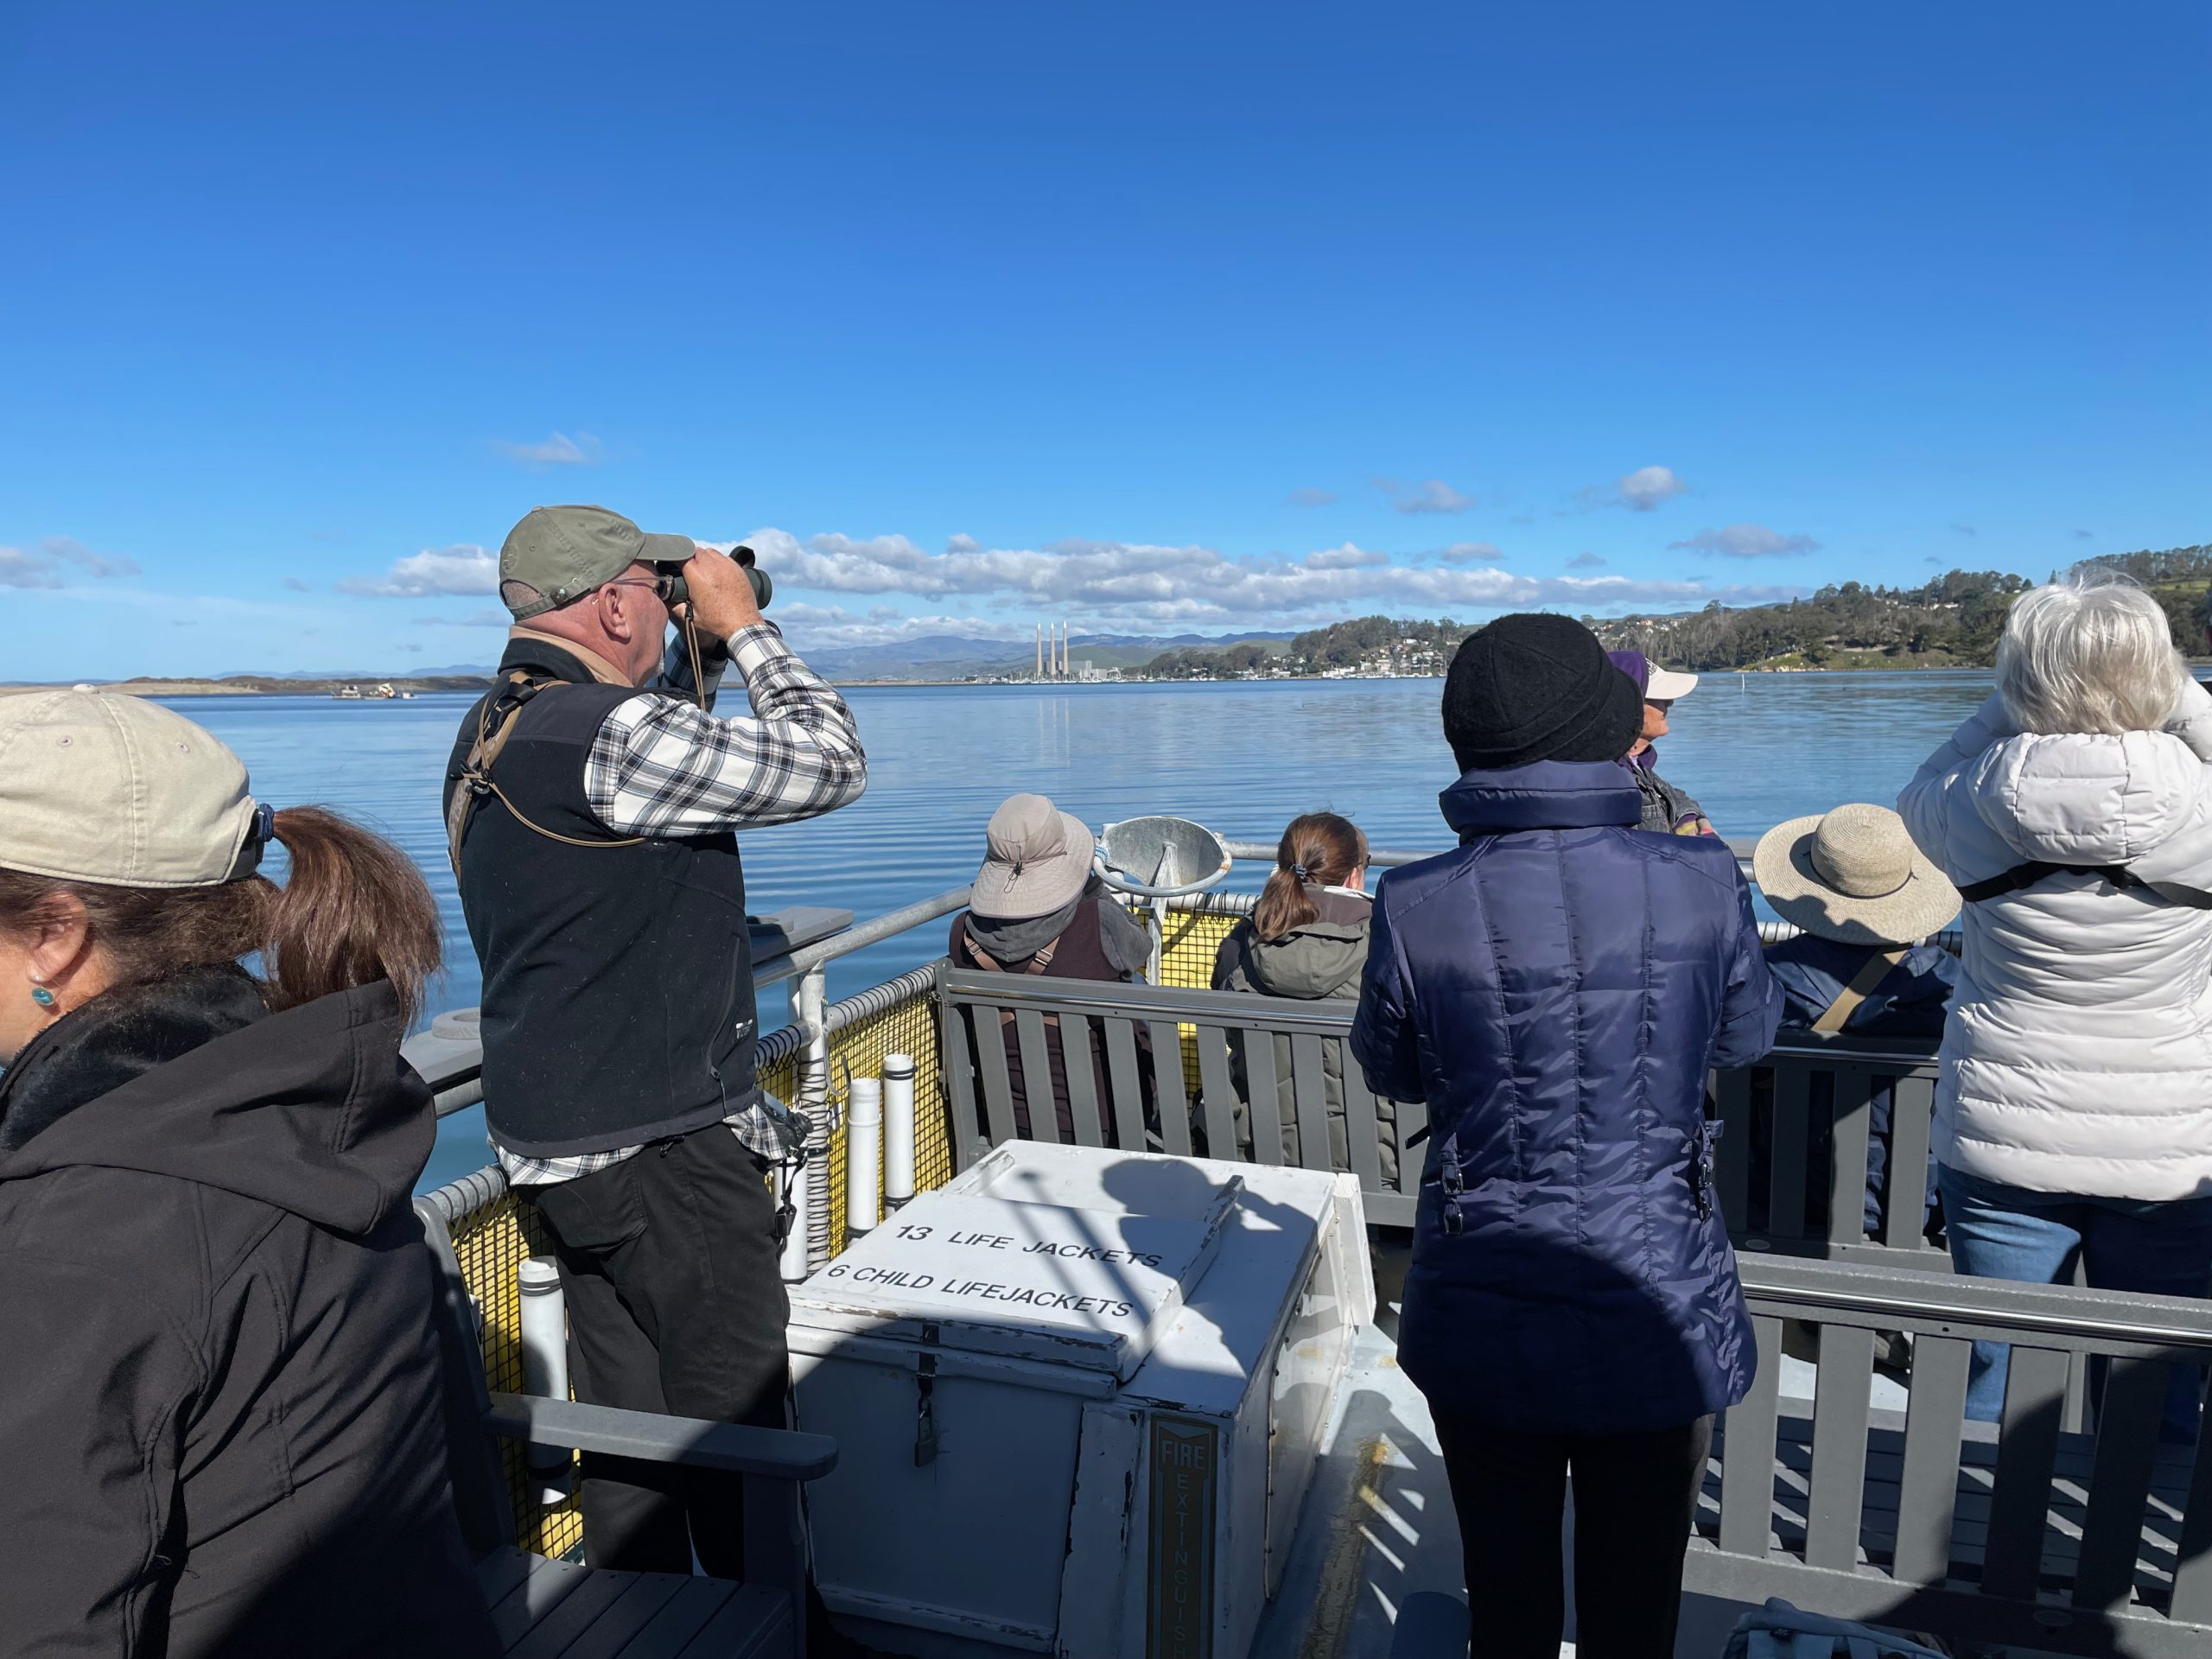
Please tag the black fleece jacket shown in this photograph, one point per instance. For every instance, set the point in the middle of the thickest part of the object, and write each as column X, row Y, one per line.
column 219, row 1425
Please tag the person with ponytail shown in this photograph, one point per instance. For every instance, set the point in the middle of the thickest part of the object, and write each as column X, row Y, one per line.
column 1307, row 939
column 220, row 1422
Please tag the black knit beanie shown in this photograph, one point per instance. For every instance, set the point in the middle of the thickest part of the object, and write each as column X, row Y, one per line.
column 1537, row 686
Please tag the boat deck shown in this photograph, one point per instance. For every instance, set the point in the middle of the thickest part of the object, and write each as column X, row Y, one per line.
column 1378, row 1525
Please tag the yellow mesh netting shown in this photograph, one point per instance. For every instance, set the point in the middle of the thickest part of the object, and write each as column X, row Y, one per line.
column 491, row 1243
column 1190, row 939
column 1188, row 942
column 908, row 1027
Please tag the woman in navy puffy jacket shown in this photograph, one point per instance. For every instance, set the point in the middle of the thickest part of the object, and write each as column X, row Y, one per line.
column 1556, row 989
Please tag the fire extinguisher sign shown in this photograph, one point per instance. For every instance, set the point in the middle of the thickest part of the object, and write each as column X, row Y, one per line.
column 1185, row 1476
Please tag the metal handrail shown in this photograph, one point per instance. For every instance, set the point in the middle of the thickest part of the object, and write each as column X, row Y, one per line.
column 1795, row 1287
column 861, row 935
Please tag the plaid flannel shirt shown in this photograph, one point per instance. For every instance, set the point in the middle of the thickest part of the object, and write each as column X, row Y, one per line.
column 662, row 767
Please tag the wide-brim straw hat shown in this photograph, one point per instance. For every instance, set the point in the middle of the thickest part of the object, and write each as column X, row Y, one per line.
column 1036, row 859
column 1853, row 875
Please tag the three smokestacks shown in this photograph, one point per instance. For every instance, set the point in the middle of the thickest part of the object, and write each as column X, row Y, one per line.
column 1052, row 651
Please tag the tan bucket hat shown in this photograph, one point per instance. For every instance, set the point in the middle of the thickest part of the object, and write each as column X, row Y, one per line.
column 1853, row 875
column 1037, row 858
column 96, row 787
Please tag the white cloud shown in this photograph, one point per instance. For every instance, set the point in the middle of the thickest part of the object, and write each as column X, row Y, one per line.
column 21, row 569
column 558, row 450
column 961, row 543
column 1347, row 557
column 1644, row 489
column 1312, row 497
column 1748, row 542
column 1141, row 587
column 1434, row 496
column 462, row 569
column 1584, row 561
column 56, row 561
column 1471, row 553
column 297, row 586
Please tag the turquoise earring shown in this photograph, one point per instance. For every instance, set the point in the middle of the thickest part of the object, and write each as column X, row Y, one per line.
column 41, row 995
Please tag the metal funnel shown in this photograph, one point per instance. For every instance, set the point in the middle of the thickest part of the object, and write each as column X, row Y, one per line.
column 1160, row 857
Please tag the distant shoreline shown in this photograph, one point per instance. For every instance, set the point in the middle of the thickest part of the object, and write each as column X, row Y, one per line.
column 255, row 686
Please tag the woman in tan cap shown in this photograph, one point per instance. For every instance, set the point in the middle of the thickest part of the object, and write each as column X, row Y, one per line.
column 1037, row 908
column 220, row 1390
column 1865, row 898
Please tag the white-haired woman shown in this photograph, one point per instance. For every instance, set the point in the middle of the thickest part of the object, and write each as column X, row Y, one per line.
column 2074, row 812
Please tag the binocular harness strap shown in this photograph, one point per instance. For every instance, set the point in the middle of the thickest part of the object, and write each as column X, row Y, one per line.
column 476, row 772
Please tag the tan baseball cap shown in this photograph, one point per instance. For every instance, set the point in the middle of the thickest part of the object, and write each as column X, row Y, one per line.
column 560, row 554
column 95, row 786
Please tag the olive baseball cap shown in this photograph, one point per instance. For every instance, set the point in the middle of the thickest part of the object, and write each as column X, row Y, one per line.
column 96, row 787
column 560, row 554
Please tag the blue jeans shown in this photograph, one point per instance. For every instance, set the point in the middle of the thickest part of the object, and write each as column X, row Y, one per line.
column 2009, row 1232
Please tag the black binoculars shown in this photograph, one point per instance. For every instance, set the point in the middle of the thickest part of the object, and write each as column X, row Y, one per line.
column 679, row 591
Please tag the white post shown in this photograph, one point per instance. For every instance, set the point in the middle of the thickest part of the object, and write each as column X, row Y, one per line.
column 544, row 1359
column 863, row 1153
column 810, row 1013
column 898, row 1130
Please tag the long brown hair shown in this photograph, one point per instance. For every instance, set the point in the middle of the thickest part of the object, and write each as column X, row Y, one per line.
column 354, row 911
column 1319, row 849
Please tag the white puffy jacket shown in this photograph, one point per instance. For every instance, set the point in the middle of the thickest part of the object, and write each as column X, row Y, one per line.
column 2078, row 1055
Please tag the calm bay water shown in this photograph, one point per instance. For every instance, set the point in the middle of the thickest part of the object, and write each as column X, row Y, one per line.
column 1242, row 759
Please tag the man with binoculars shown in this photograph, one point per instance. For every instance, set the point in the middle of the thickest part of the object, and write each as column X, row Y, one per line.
column 591, row 806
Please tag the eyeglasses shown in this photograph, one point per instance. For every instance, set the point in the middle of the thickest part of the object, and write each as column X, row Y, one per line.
column 664, row 586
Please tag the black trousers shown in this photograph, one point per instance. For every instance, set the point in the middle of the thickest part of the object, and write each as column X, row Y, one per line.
column 669, row 1265
column 1635, row 1495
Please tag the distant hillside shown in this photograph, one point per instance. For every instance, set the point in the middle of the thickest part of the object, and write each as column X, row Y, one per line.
column 1952, row 621
column 1374, row 644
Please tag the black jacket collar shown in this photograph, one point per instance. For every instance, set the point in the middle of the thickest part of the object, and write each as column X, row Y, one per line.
column 115, row 1037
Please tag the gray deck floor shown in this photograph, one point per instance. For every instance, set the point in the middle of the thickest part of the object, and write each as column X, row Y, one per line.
column 1378, row 1526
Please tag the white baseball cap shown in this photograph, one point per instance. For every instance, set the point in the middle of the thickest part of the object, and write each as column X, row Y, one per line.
column 1665, row 685
column 99, row 787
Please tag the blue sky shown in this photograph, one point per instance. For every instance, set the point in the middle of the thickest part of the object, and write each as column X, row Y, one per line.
column 1150, row 318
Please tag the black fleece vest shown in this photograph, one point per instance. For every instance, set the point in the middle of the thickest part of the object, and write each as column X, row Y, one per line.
column 618, row 979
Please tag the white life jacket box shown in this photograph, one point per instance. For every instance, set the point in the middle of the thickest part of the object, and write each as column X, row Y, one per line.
column 1078, row 1395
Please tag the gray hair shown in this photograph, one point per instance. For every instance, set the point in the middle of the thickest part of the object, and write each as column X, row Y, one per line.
column 2095, row 655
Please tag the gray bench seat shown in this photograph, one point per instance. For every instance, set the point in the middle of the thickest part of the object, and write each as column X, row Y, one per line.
column 547, row 1609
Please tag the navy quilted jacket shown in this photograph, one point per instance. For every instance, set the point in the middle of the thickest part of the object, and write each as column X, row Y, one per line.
column 1556, row 990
